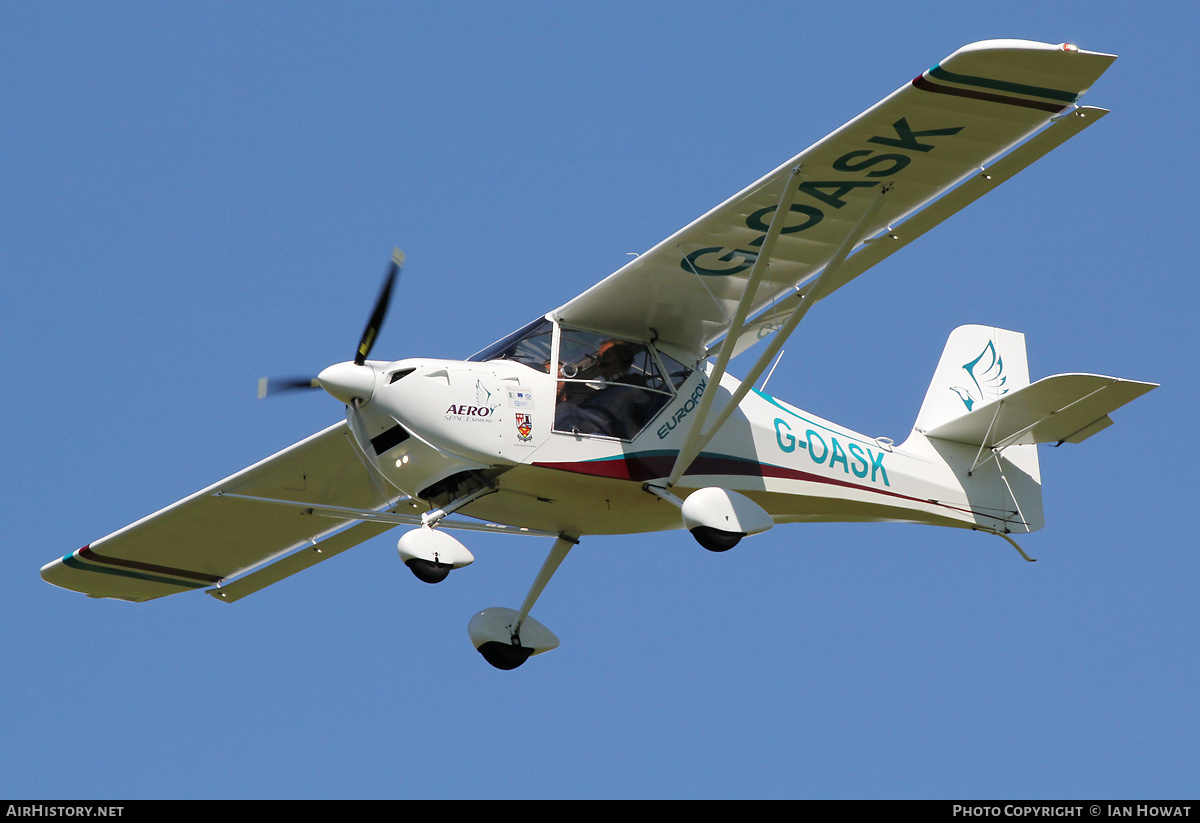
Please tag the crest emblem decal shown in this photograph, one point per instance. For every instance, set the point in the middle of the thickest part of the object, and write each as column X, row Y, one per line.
column 524, row 427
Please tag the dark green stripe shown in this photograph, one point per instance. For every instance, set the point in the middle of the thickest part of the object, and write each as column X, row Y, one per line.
column 925, row 84
column 92, row 556
column 73, row 562
column 1002, row 85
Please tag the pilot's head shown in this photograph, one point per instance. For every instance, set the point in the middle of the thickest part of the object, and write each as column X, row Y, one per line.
column 615, row 359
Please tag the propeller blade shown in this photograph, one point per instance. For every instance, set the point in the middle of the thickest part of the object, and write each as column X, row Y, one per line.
column 371, row 332
column 279, row 385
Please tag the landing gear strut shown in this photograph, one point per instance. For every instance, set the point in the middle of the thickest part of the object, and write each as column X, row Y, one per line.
column 507, row 638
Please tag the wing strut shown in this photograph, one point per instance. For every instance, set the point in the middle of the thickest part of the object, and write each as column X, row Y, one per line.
column 387, row 515
column 761, row 263
column 372, row 522
column 698, row 435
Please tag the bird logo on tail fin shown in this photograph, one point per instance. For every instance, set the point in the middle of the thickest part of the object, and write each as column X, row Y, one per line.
column 987, row 377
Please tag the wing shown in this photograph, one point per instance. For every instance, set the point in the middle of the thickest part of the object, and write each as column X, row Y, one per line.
column 910, row 149
column 220, row 531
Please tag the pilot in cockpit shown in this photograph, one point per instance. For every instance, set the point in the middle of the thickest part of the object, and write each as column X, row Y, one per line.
column 607, row 397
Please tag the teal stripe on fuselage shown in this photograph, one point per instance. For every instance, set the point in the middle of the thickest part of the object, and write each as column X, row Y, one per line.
column 839, row 432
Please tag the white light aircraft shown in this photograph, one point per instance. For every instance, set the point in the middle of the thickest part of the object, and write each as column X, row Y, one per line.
column 615, row 413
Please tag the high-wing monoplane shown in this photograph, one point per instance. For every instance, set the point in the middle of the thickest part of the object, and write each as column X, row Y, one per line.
column 616, row 413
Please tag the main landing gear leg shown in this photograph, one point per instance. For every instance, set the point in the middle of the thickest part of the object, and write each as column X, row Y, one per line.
column 508, row 638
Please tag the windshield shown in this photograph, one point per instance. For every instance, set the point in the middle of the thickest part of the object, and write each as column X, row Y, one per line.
column 530, row 346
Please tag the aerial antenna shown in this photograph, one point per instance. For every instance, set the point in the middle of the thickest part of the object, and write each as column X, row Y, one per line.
column 778, row 357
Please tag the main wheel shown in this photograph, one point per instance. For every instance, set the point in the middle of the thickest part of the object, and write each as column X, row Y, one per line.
column 716, row 540
column 429, row 571
column 504, row 656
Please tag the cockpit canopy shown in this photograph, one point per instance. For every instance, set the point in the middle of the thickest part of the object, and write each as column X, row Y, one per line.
column 607, row 386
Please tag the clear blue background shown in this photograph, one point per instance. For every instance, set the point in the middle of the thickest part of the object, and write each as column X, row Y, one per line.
column 194, row 195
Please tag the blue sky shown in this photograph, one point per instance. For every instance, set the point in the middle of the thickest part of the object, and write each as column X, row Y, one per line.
column 199, row 194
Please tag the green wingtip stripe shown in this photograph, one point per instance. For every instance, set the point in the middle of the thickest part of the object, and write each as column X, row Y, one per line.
column 74, row 563
column 1003, row 85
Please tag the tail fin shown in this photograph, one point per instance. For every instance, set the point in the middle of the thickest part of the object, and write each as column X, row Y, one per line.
column 979, row 365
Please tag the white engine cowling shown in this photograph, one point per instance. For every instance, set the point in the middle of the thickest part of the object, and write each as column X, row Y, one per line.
column 431, row 555
column 718, row 518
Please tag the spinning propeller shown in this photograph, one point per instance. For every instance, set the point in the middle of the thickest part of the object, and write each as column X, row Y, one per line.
column 381, row 306
column 345, row 381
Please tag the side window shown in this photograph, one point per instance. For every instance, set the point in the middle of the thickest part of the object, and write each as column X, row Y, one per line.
column 606, row 385
column 676, row 371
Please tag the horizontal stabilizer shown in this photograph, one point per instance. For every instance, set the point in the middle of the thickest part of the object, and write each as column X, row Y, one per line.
column 1063, row 408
